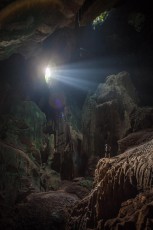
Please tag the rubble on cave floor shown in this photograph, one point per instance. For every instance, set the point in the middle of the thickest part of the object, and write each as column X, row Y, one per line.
column 44, row 210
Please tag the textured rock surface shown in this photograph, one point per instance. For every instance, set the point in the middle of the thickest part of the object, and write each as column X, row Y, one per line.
column 95, row 9
column 106, row 114
column 142, row 118
column 25, row 24
column 134, row 139
column 50, row 179
column 79, row 186
column 47, row 210
column 22, row 128
column 18, row 173
column 117, row 180
column 22, row 148
column 41, row 211
column 135, row 213
column 35, row 21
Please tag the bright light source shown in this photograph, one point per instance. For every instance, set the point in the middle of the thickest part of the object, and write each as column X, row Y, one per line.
column 48, row 74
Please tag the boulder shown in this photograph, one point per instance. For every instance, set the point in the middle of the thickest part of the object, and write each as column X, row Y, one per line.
column 46, row 210
column 50, row 179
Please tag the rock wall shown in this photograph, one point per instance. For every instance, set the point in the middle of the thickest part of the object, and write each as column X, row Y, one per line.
column 106, row 115
column 22, row 142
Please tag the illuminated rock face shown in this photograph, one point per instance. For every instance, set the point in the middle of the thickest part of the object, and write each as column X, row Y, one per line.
column 106, row 114
column 113, row 201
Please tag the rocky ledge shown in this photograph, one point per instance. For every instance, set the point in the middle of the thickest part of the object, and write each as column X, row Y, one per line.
column 122, row 196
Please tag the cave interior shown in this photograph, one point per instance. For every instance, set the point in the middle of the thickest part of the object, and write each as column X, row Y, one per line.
column 76, row 115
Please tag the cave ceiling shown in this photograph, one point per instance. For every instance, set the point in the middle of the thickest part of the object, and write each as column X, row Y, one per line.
column 25, row 24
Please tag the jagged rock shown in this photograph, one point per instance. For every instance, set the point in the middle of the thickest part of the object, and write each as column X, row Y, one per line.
column 36, row 20
column 76, row 140
column 134, row 214
column 117, row 180
column 106, row 114
column 50, row 179
column 120, row 87
column 56, row 161
column 67, row 167
column 67, row 157
column 23, row 125
column 78, row 189
column 21, row 145
column 26, row 24
column 91, row 165
column 89, row 125
column 134, row 139
column 47, row 150
column 19, row 173
column 91, row 10
column 142, row 118
column 80, row 186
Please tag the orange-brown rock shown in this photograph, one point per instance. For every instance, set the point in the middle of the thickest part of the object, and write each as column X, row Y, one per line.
column 117, row 180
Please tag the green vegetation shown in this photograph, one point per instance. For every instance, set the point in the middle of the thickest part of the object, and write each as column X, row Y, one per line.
column 99, row 20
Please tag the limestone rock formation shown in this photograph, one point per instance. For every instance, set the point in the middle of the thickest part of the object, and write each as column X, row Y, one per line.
column 118, row 181
column 25, row 24
column 35, row 21
column 134, row 214
column 49, row 179
column 19, row 174
column 106, row 115
column 134, row 139
column 22, row 148
column 142, row 118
